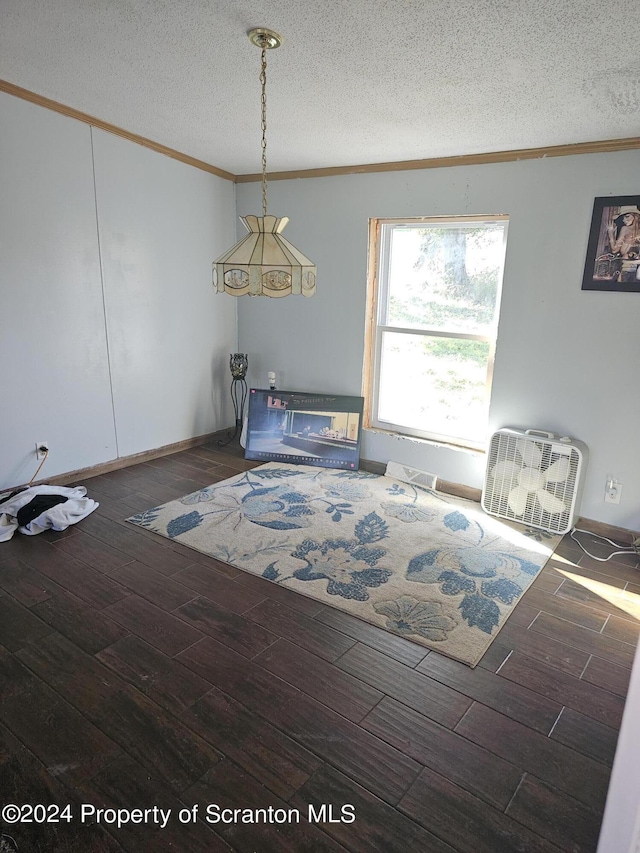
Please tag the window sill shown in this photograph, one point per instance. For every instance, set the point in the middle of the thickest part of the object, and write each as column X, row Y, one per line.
column 427, row 442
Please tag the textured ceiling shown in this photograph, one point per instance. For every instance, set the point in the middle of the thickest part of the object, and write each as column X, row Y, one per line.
column 365, row 81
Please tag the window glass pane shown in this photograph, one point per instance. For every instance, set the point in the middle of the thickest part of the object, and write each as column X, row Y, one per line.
column 444, row 276
column 434, row 385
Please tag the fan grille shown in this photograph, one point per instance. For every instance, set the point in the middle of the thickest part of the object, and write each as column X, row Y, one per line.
column 504, row 447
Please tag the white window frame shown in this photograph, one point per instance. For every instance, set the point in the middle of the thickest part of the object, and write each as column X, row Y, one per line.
column 380, row 231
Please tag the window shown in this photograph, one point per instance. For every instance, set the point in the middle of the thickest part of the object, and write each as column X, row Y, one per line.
column 433, row 304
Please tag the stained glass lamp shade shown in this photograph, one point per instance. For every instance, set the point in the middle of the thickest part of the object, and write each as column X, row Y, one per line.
column 264, row 263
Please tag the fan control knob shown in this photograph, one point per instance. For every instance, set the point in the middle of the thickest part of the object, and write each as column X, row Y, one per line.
column 565, row 439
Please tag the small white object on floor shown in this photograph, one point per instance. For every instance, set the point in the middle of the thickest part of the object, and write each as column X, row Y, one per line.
column 243, row 434
column 73, row 507
column 411, row 475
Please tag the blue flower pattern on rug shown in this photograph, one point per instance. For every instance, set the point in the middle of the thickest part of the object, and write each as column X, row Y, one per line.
column 456, row 521
column 183, row 523
column 404, row 505
column 147, row 518
column 480, row 611
column 417, row 562
column 407, row 616
column 348, row 565
column 277, row 507
column 455, row 570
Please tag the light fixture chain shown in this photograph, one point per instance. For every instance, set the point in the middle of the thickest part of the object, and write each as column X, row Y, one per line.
column 263, row 81
column 264, row 263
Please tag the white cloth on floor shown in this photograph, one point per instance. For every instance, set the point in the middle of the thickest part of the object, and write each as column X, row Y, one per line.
column 74, row 508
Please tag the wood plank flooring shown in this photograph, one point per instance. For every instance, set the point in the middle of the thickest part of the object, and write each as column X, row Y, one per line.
column 136, row 673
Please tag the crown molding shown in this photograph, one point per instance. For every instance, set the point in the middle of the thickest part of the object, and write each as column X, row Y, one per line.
column 599, row 147
column 57, row 107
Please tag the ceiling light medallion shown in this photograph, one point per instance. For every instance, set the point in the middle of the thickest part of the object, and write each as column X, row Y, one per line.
column 264, row 263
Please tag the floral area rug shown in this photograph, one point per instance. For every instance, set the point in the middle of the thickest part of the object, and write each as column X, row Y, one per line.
column 427, row 566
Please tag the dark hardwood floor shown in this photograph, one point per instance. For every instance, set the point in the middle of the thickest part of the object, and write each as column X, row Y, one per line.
column 136, row 673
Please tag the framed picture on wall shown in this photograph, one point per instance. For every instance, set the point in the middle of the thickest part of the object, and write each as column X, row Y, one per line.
column 613, row 253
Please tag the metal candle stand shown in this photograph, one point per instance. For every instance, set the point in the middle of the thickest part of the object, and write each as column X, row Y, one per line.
column 238, row 364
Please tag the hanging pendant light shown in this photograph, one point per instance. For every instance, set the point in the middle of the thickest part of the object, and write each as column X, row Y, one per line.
column 264, row 263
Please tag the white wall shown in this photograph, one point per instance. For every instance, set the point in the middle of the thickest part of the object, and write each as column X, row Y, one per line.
column 567, row 360
column 161, row 224
column 117, row 345
column 105, row 359
column 620, row 832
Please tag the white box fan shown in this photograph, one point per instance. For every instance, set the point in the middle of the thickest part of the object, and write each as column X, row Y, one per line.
column 535, row 478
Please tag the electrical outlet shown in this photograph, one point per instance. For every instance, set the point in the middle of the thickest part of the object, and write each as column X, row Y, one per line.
column 41, row 449
column 612, row 491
